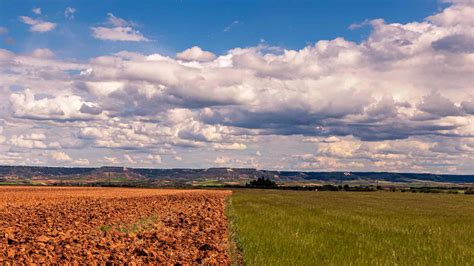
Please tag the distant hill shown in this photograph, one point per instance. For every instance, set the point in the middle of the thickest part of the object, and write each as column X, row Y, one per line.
column 382, row 176
column 184, row 177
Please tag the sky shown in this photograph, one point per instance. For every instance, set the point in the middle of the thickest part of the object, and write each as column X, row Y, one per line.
column 287, row 85
column 217, row 26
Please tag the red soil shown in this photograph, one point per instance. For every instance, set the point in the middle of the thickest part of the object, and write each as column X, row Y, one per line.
column 58, row 225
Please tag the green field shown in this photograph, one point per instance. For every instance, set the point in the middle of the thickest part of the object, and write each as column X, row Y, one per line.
column 359, row 228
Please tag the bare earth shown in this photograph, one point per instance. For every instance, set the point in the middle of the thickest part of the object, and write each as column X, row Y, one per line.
column 57, row 225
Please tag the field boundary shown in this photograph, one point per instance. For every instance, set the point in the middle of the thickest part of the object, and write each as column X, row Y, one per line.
column 234, row 248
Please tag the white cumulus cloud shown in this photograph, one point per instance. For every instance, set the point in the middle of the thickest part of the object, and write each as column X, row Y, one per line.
column 195, row 54
column 38, row 25
column 401, row 99
column 60, row 156
column 118, row 30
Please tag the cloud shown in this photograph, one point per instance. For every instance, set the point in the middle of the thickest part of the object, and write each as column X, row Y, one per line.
column 81, row 162
column 26, row 104
column 458, row 14
column 222, row 160
column 230, row 146
column 457, row 43
column 401, row 99
column 195, row 54
column 37, row 25
column 125, row 34
column 31, row 141
column 69, row 12
column 60, row 156
column 438, row 105
column 90, row 109
column 2, row 138
column 129, row 159
column 116, row 21
column 118, row 30
column 231, row 25
column 37, row 11
column 155, row 159
column 110, row 160
column 355, row 26
column 468, row 106
column 3, row 30
column 42, row 53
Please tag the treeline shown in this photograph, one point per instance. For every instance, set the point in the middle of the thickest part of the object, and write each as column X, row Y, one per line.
column 264, row 183
column 450, row 190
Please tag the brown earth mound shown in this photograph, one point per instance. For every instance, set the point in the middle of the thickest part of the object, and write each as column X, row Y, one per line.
column 57, row 225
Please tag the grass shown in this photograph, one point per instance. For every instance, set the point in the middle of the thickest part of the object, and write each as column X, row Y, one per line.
column 358, row 228
column 142, row 224
column 208, row 183
column 105, row 228
column 234, row 250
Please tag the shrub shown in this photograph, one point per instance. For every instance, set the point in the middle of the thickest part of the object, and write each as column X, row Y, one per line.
column 262, row 182
column 469, row 191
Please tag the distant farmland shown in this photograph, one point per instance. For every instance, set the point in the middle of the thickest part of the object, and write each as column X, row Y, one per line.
column 307, row 228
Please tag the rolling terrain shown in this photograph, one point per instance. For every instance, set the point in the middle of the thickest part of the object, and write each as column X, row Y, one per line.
column 141, row 177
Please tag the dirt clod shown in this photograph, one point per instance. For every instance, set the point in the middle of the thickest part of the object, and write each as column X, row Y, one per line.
column 112, row 226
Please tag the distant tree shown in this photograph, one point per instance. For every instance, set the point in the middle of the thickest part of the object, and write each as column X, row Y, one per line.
column 262, row 182
column 346, row 187
column 329, row 188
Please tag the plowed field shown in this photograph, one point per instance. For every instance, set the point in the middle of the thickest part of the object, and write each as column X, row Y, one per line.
column 57, row 225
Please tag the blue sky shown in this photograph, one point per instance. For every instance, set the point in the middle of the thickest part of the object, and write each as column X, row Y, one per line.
column 369, row 85
column 176, row 25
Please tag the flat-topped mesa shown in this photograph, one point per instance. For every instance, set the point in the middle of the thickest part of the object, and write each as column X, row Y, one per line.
column 186, row 175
